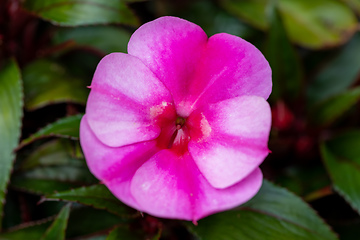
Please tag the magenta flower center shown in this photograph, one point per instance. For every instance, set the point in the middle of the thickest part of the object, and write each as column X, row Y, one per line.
column 180, row 122
column 177, row 131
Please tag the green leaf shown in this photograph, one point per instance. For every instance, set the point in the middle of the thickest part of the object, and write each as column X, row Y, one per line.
column 46, row 82
column 285, row 64
column 32, row 230
column 338, row 74
column 317, row 23
column 40, row 186
column 273, row 214
column 73, row 174
column 123, row 232
column 304, row 181
column 341, row 156
column 76, row 13
column 313, row 24
column 329, row 110
column 354, row 4
column 57, row 229
column 251, row 11
column 66, row 128
column 86, row 220
column 54, row 161
column 10, row 122
column 97, row 196
column 52, row 153
column 105, row 38
column 214, row 20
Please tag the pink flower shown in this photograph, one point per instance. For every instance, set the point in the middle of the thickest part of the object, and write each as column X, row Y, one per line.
column 178, row 126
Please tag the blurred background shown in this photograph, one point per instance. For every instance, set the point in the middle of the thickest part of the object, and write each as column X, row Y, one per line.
column 49, row 50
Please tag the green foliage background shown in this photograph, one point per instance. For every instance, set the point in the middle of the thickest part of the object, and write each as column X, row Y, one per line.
column 48, row 52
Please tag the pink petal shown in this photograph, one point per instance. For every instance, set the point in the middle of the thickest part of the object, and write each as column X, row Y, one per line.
column 212, row 200
column 172, row 187
column 162, row 186
column 230, row 67
column 197, row 70
column 172, row 48
column 233, row 139
column 114, row 166
column 124, row 100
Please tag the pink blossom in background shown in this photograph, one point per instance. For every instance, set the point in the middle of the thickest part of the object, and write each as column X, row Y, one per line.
column 178, row 127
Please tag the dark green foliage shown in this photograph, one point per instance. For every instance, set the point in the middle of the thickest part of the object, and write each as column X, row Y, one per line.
column 280, row 214
column 97, row 196
column 56, row 231
column 314, row 24
column 75, row 13
column 11, row 103
column 65, row 127
column 341, row 156
column 48, row 53
column 46, row 82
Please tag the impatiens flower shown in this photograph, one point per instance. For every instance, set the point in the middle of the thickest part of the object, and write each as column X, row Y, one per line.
column 178, row 127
